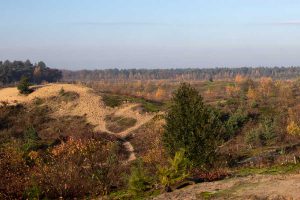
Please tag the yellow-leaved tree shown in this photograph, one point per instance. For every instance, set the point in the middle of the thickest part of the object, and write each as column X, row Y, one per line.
column 293, row 127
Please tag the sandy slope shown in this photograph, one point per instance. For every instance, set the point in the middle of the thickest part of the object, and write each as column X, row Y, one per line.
column 89, row 105
column 266, row 187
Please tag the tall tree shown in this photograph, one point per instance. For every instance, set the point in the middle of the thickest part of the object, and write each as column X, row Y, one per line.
column 41, row 64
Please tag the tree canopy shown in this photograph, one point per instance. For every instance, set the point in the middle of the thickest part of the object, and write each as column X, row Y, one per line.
column 12, row 72
column 184, row 74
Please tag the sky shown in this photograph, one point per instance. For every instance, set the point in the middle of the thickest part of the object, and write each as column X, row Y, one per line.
column 97, row 34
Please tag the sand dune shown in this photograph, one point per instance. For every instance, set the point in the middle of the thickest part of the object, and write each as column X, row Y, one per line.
column 89, row 105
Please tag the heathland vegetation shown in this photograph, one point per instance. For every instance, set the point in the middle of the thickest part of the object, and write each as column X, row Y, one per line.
column 140, row 138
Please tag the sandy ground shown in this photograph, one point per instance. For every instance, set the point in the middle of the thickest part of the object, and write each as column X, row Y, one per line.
column 253, row 187
column 89, row 105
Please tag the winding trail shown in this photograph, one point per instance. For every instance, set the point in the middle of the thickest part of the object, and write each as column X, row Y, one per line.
column 89, row 105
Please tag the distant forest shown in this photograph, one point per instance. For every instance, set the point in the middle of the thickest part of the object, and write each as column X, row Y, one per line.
column 11, row 72
column 182, row 74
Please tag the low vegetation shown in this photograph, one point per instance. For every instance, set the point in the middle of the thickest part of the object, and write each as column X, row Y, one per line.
column 139, row 180
column 145, row 105
column 175, row 171
column 44, row 157
column 207, row 131
column 276, row 169
column 67, row 96
column 24, row 86
column 117, row 124
column 112, row 100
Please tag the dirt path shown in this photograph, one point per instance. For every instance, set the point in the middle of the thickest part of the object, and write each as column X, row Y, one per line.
column 89, row 105
column 253, row 187
column 128, row 146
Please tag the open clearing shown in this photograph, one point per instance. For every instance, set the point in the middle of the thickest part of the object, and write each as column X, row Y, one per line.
column 88, row 105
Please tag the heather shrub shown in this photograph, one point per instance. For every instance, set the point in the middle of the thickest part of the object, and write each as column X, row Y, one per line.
column 38, row 101
column 213, row 175
column 31, row 140
column 13, row 170
column 112, row 100
column 79, row 168
column 33, row 192
column 67, row 96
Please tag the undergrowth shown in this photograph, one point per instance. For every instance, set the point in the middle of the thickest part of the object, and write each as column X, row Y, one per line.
column 112, row 100
column 273, row 170
column 119, row 124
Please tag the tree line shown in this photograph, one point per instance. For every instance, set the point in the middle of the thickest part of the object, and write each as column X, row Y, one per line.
column 182, row 74
column 12, row 72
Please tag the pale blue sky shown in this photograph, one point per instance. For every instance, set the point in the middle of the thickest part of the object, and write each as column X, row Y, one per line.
column 76, row 34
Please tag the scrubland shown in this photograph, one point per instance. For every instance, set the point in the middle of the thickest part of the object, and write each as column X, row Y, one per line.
column 105, row 140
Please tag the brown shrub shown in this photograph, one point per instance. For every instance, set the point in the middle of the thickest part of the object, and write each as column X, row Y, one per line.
column 213, row 175
column 79, row 168
column 13, row 170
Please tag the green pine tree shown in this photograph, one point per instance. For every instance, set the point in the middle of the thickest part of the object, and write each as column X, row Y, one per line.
column 193, row 126
column 139, row 181
column 23, row 85
column 175, row 171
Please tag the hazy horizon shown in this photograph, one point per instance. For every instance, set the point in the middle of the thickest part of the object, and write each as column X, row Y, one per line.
column 96, row 34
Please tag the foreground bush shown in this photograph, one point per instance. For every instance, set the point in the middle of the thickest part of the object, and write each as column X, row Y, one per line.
column 13, row 170
column 79, row 168
column 175, row 171
column 139, row 181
